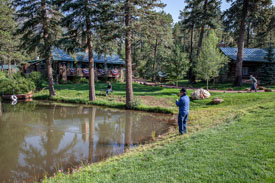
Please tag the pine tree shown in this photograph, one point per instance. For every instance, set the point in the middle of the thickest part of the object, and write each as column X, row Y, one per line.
column 199, row 14
column 235, row 18
column 158, row 31
column 132, row 11
column 39, row 29
column 9, row 49
column 177, row 63
column 82, row 20
column 210, row 60
column 267, row 71
column 189, row 21
column 105, row 34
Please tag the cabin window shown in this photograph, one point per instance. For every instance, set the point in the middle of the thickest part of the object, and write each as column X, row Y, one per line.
column 245, row 71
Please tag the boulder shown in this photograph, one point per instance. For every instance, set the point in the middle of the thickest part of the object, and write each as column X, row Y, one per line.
column 217, row 100
column 200, row 94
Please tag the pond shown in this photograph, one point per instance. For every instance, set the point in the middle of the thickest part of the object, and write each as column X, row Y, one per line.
column 38, row 138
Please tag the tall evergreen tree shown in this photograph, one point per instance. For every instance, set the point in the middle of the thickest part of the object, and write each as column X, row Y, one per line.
column 267, row 71
column 159, row 32
column 105, row 34
column 177, row 63
column 208, row 14
column 39, row 29
column 9, row 45
column 81, row 20
column 189, row 21
column 236, row 18
column 132, row 11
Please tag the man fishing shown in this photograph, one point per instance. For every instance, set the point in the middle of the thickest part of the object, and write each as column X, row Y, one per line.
column 183, row 104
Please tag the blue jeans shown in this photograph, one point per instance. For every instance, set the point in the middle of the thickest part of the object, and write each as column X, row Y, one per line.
column 254, row 87
column 182, row 122
column 108, row 91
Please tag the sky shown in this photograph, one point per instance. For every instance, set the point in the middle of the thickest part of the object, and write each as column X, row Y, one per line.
column 174, row 6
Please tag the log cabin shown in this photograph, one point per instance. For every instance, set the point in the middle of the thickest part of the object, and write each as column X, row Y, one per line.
column 66, row 67
column 253, row 59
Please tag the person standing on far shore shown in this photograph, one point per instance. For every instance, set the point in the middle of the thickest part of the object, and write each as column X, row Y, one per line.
column 254, row 83
column 183, row 104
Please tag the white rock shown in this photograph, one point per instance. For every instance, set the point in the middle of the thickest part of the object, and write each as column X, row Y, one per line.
column 200, row 94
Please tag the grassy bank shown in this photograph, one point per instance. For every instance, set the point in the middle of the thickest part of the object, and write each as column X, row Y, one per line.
column 231, row 142
column 147, row 98
column 79, row 93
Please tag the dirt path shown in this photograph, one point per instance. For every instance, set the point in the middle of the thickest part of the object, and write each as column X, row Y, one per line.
column 211, row 90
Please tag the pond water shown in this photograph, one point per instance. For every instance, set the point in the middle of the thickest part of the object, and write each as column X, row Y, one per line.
column 43, row 137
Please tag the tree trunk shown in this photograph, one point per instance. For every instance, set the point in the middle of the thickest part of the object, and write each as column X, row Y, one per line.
column 91, row 134
column 207, row 84
column 184, row 40
column 202, row 28
column 155, row 61
column 0, row 110
column 192, row 77
column 129, row 87
column 239, row 62
column 105, row 67
column 92, row 96
column 47, row 45
column 9, row 60
column 248, row 35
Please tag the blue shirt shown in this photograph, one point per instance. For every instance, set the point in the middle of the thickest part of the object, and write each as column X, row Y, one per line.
column 183, row 104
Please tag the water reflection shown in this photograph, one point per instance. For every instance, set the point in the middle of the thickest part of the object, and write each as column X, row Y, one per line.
column 36, row 138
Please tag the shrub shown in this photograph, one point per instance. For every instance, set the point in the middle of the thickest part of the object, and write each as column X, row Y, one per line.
column 135, row 103
column 84, row 81
column 37, row 78
column 76, row 79
column 62, row 81
column 20, row 85
column 2, row 75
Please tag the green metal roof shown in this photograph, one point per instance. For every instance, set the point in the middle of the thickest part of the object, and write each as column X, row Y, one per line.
column 250, row 54
column 61, row 55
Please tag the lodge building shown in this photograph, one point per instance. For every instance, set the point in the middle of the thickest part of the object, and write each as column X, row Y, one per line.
column 65, row 66
column 253, row 59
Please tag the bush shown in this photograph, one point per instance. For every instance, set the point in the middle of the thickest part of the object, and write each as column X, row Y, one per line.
column 37, row 78
column 2, row 75
column 76, row 79
column 84, row 81
column 62, row 81
column 20, row 85
column 135, row 103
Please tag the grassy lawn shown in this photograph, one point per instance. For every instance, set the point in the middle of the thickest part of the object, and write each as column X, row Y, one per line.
column 147, row 98
column 230, row 142
column 79, row 93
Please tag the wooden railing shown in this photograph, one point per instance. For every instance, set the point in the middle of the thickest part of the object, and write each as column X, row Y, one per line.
column 99, row 72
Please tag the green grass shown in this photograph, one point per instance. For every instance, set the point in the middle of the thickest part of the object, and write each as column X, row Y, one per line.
column 231, row 142
column 79, row 93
